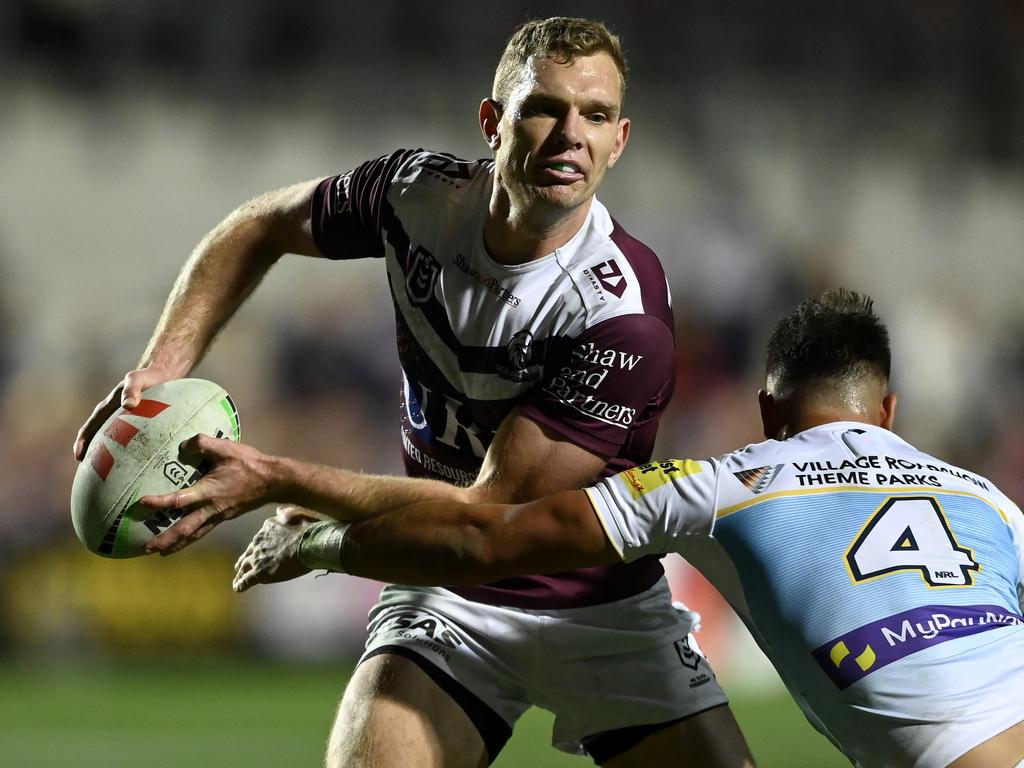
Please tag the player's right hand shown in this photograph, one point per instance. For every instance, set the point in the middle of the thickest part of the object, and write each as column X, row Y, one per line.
column 126, row 394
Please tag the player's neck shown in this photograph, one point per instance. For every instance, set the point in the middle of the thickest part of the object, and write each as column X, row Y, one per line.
column 518, row 236
column 788, row 411
column 802, row 419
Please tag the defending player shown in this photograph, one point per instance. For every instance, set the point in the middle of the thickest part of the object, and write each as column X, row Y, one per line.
column 536, row 340
column 883, row 583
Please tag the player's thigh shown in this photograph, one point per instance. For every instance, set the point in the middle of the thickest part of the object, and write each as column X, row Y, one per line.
column 393, row 715
column 1006, row 748
column 710, row 739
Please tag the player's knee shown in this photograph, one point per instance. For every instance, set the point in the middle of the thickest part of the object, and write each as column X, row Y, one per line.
column 393, row 716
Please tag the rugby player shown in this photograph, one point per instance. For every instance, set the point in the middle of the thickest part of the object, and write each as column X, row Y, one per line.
column 883, row 583
column 536, row 341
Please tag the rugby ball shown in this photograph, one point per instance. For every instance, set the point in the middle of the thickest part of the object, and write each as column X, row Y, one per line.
column 135, row 453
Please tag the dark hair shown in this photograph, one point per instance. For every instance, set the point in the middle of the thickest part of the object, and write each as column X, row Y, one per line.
column 836, row 336
column 560, row 38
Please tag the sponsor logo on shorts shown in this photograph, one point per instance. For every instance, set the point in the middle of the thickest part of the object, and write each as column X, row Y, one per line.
column 859, row 652
column 687, row 654
column 757, row 480
column 691, row 657
column 424, row 628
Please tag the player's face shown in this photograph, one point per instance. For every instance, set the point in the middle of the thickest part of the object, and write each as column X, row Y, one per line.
column 561, row 130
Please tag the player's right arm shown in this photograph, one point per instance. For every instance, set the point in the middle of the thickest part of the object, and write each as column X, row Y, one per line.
column 219, row 275
column 232, row 259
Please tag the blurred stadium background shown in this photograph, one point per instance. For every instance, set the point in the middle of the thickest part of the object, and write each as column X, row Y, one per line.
column 776, row 149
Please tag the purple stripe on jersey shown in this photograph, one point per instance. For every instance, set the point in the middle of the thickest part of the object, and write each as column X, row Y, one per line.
column 648, row 270
column 859, row 652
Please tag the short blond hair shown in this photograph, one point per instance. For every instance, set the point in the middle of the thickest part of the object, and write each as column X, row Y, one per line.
column 560, row 38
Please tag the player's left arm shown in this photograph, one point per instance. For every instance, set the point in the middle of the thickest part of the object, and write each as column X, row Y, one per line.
column 526, row 460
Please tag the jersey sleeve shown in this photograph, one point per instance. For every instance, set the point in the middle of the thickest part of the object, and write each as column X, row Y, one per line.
column 651, row 509
column 606, row 383
column 349, row 211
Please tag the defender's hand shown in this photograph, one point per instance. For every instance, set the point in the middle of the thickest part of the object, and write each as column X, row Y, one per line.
column 239, row 480
column 126, row 394
column 272, row 555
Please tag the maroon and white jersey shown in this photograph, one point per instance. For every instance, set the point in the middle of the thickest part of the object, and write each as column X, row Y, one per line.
column 581, row 340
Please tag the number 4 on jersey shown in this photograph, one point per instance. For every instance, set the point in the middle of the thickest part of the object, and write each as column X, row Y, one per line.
column 910, row 533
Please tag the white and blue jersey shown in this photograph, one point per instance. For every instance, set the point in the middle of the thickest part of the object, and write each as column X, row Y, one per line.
column 884, row 584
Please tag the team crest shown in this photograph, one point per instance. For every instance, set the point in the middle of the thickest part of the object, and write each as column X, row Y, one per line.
column 422, row 276
column 757, row 480
column 520, row 356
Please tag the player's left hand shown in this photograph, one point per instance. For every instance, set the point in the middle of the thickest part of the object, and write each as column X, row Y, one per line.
column 272, row 555
column 240, row 479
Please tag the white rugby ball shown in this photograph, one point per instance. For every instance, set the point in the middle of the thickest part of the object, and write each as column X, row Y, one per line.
column 135, row 453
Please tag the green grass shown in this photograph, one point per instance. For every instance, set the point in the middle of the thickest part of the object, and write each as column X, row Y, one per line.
column 226, row 714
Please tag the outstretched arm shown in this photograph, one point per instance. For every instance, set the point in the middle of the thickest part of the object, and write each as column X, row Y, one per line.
column 525, row 461
column 438, row 543
column 219, row 275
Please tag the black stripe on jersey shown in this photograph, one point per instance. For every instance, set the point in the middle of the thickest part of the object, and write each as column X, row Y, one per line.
column 420, row 368
column 472, row 359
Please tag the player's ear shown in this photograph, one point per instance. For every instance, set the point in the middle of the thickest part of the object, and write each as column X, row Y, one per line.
column 887, row 411
column 620, row 142
column 770, row 416
column 490, row 122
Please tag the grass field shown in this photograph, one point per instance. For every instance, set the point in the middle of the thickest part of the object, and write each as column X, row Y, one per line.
column 221, row 715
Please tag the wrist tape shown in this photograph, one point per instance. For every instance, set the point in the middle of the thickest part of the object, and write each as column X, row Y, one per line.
column 320, row 546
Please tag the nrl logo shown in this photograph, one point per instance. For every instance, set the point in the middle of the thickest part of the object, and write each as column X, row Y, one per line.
column 757, row 480
column 687, row 654
column 520, row 352
column 422, row 276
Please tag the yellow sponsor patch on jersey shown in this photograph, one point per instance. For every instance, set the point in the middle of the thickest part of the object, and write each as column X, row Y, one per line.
column 648, row 477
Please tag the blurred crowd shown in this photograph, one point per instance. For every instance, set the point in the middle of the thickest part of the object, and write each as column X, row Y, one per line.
column 778, row 149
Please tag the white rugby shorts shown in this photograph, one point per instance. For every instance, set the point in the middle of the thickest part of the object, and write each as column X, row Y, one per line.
column 610, row 673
